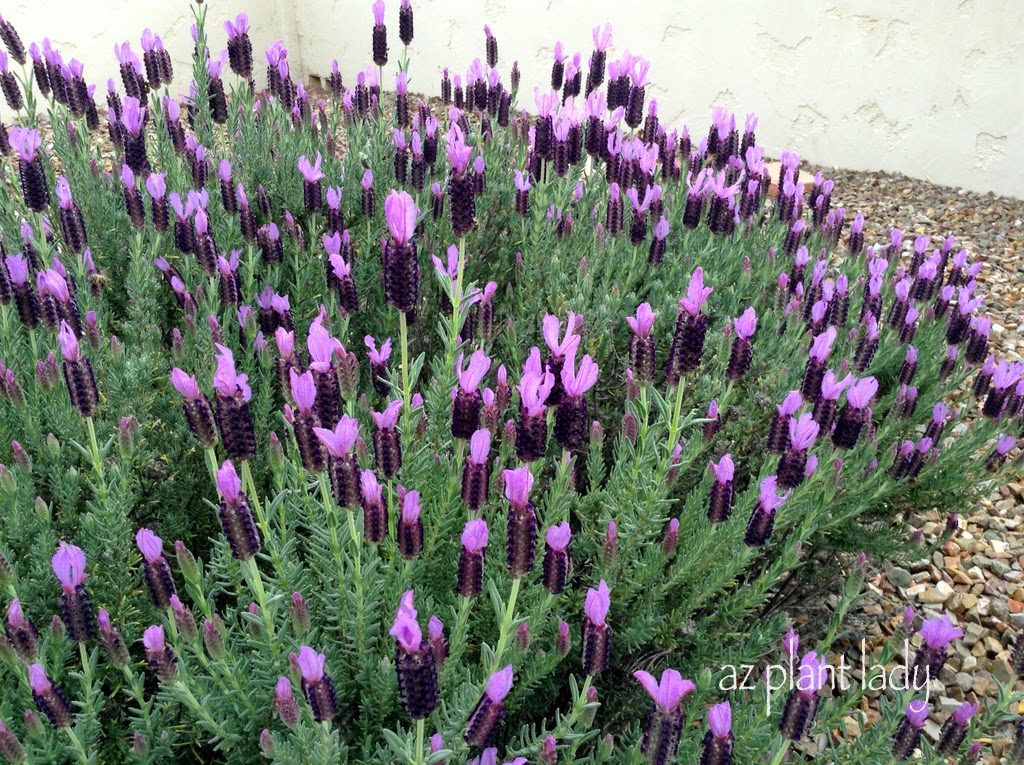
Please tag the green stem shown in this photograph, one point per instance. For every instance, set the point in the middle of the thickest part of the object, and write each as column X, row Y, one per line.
column 332, row 510
column 505, row 633
column 211, row 462
column 252, row 573
column 76, row 744
column 419, row 760
column 403, row 329
column 780, row 755
column 97, row 460
column 458, row 642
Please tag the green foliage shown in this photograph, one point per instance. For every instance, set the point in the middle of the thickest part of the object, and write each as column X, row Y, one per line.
column 697, row 598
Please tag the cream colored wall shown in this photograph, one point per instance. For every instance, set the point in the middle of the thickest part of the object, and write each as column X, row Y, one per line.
column 89, row 29
column 931, row 89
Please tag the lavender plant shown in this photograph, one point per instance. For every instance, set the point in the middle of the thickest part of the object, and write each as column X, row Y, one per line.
column 342, row 374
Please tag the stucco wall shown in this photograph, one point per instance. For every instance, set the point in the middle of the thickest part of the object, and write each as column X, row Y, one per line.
column 931, row 89
column 89, row 29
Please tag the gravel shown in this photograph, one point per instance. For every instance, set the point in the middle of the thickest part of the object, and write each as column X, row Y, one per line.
column 977, row 576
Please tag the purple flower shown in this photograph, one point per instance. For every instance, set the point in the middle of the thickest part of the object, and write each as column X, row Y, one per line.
column 534, row 389
column 405, row 629
column 499, row 684
column 38, row 680
column 768, row 498
column 401, row 212
column 474, row 536
column 720, row 720
column 68, row 343
column 822, row 345
column 473, row 374
column 389, row 417
column 480, row 446
column 339, row 442
column 550, row 329
column 153, row 639
column 669, row 691
column 226, row 379
column 597, row 604
column 303, row 389
column 311, row 664
column 940, row 632
column 558, row 536
column 812, row 674
column 964, row 713
column 228, row 483
column 310, row 171
column 724, row 469
column 803, row 431
column 696, row 293
column 518, row 483
column 150, row 545
column 576, row 382
column 133, row 115
column 860, row 393
column 746, row 324
column 916, row 713
column 643, row 321
column 68, row 565
column 25, row 142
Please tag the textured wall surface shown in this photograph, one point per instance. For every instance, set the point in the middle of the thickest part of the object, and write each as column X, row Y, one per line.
column 931, row 89
column 89, row 29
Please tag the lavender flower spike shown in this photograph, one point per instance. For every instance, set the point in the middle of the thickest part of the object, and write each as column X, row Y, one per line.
column 414, row 662
column 740, row 355
column 467, row 401
column 717, row 746
column 908, row 734
column 490, row 709
column 522, row 521
column 49, row 698
column 235, row 515
column 476, row 471
column 401, row 267
column 597, row 635
column 557, row 560
column 317, row 686
column 762, row 519
column 68, row 565
column 666, row 718
column 471, row 559
column 802, row 702
column 936, row 635
column 158, row 574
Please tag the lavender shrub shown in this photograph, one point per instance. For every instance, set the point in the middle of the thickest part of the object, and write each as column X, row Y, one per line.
column 662, row 377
